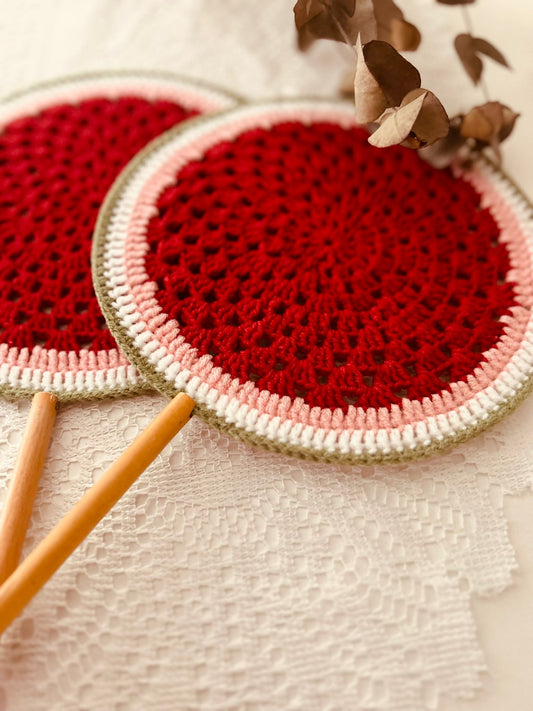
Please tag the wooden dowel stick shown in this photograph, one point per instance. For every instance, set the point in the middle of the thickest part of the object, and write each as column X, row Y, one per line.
column 16, row 512
column 73, row 528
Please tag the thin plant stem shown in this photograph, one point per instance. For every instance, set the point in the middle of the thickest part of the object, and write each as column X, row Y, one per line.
column 343, row 33
column 468, row 20
column 470, row 29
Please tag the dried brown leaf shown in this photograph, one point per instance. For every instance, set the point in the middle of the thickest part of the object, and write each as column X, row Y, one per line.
column 395, row 75
column 325, row 19
column 489, row 50
column 365, row 20
column 481, row 123
column 345, row 6
column 394, row 28
column 404, row 36
column 386, row 11
column 305, row 39
column 370, row 102
column 383, row 20
column 441, row 153
column 508, row 122
column 467, row 54
column 468, row 48
column 432, row 122
column 397, row 123
column 489, row 125
column 345, row 20
column 307, row 10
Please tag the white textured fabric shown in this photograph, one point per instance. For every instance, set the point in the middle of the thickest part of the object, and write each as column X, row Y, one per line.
column 230, row 578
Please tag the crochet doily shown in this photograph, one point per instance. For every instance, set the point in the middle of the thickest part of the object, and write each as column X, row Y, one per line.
column 61, row 147
column 316, row 295
column 230, row 577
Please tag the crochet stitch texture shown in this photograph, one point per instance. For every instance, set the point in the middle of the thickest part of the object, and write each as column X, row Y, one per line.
column 306, row 261
column 55, row 170
column 313, row 294
column 61, row 147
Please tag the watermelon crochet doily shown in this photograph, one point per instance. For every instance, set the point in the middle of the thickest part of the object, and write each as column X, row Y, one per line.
column 316, row 295
column 61, row 147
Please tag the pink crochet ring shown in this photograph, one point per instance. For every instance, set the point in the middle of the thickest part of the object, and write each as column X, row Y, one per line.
column 313, row 294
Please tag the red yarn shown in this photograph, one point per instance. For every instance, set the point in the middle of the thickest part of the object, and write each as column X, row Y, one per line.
column 55, row 170
column 314, row 265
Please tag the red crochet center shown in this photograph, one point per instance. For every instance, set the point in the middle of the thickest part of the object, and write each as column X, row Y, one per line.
column 55, row 170
column 316, row 266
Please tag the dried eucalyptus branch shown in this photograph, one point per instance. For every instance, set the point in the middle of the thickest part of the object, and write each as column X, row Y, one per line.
column 492, row 122
column 387, row 88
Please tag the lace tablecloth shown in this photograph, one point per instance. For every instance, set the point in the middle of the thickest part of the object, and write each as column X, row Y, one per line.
column 231, row 578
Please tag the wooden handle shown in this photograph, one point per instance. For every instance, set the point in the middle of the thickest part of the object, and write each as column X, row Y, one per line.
column 16, row 512
column 46, row 558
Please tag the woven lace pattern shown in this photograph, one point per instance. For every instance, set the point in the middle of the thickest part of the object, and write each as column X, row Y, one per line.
column 231, row 578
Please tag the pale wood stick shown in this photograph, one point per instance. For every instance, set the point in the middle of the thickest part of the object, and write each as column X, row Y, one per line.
column 46, row 558
column 15, row 516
